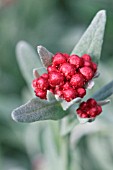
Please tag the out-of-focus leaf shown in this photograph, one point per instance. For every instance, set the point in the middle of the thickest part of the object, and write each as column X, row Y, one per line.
column 37, row 109
column 104, row 92
column 50, row 150
column 28, row 60
column 92, row 40
column 67, row 126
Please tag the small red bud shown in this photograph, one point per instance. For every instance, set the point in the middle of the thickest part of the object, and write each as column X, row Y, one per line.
column 91, row 102
column 77, row 80
column 86, row 57
column 87, row 72
column 81, row 92
column 45, row 75
column 99, row 109
column 66, row 86
column 51, row 69
column 41, row 83
column 56, row 78
column 88, row 63
column 67, row 69
column 94, row 66
column 34, row 83
column 69, row 94
column 92, row 112
column 76, row 61
column 66, row 55
column 40, row 93
column 58, row 59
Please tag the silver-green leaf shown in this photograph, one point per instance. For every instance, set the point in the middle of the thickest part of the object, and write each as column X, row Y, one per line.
column 92, row 40
column 37, row 109
column 45, row 56
column 104, row 92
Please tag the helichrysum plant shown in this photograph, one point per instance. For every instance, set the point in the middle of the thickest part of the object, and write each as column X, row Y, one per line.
column 61, row 82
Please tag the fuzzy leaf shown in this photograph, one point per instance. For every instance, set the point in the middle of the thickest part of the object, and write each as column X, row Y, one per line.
column 45, row 56
column 104, row 92
column 92, row 40
column 27, row 60
column 36, row 110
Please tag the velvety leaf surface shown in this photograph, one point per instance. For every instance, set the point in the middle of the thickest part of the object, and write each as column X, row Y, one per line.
column 92, row 40
column 104, row 92
column 45, row 56
column 37, row 109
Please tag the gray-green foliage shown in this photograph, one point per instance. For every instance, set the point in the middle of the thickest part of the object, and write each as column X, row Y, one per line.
column 57, row 25
column 34, row 110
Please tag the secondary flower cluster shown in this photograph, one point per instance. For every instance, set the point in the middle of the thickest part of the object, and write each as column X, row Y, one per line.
column 66, row 76
column 89, row 109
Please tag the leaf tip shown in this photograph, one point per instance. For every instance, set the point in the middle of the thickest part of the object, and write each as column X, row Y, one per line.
column 20, row 45
column 39, row 48
column 13, row 116
column 102, row 14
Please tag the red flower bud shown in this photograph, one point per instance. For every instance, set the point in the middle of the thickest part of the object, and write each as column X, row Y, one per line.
column 66, row 86
column 67, row 69
column 66, row 55
column 69, row 94
column 51, row 69
column 88, row 63
column 86, row 57
column 91, row 102
column 56, row 79
column 40, row 93
column 40, row 83
column 76, row 61
column 58, row 59
column 89, row 109
column 81, row 92
column 77, row 80
column 45, row 76
column 87, row 72
column 94, row 66
column 99, row 109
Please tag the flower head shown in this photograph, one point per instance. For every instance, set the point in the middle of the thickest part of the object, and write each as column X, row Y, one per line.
column 66, row 77
column 89, row 109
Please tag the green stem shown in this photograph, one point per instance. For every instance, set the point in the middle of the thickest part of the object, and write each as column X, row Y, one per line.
column 66, row 152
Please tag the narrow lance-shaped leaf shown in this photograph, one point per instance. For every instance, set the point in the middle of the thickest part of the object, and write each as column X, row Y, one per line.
column 36, row 110
column 92, row 40
column 28, row 60
column 45, row 56
column 104, row 92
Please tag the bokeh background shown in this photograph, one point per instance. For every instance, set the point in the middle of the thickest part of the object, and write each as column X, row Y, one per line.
column 57, row 25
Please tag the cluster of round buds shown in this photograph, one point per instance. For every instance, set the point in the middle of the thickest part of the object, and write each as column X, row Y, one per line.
column 66, row 76
column 89, row 109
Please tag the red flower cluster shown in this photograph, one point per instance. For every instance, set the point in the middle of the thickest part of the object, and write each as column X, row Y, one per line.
column 66, row 77
column 89, row 109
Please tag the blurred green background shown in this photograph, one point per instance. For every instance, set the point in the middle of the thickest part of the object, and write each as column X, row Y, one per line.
column 57, row 25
